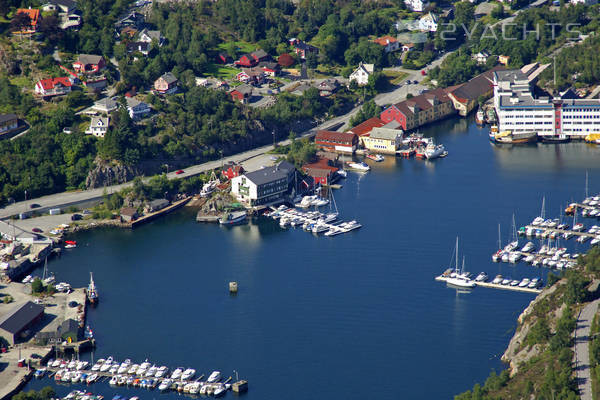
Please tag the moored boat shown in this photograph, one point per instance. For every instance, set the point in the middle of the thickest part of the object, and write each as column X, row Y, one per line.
column 510, row 137
column 232, row 218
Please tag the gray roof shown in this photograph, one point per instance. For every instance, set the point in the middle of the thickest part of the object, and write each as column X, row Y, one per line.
column 511, row 75
column 393, row 124
column 7, row 117
column 151, row 34
column 169, row 78
column 68, row 325
column 89, row 59
column 159, row 203
column 109, row 103
column 20, row 316
column 270, row 174
column 133, row 102
column 244, row 89
column 260, row 53
column 385, row 133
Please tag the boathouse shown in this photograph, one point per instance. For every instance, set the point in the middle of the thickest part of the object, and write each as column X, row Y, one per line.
column 343, row 142
column 19, row 319
column 383, row 140
column 264, row 186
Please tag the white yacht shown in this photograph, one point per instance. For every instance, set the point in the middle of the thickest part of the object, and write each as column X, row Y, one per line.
column 165, row 384
column 459, row 278
column 482, row 277
column 497, row 280
column 177, row 373
column 528, row 247
column 524, row 282
column 114, row 380
column 133, row 369
column 219, row 390
column 342, row 173
column 91, row 378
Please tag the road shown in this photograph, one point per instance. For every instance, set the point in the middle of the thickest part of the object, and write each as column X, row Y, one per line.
column 582, row 349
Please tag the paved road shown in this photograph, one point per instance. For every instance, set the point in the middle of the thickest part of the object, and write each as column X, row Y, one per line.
column 582, row 349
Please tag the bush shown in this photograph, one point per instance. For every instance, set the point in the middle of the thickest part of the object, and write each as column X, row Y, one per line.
column 37, row 286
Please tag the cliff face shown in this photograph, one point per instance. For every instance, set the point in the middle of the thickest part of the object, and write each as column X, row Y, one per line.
column 106, row 174
column 517, row 351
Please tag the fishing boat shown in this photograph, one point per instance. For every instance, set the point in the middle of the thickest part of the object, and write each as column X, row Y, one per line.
column 376, row 157
column 70, row 244
column 359, row 166
column 510, row 137
column 232, row 218
column 479, row 117
column 434, row 151
column 554, row 139
column 92, row 291
column 209, row 186
column 458, row 278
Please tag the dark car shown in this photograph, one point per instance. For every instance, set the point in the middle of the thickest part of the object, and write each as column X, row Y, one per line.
column 76, row 217
column 37, row 230
column 73, row 304
column 34, row 205
column 179, row 172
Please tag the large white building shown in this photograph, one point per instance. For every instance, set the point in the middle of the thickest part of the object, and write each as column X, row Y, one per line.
column 519, row 111
column 416, row 5
column 265, row 186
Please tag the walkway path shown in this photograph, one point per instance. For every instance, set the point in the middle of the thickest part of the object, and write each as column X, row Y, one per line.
column 582, row 349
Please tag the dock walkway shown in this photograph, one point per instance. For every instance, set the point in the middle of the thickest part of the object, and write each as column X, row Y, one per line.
column 497, row 286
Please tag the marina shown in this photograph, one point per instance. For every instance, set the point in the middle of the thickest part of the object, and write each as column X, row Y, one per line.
column 304, row 302
column 517, row 288
column 132, row 375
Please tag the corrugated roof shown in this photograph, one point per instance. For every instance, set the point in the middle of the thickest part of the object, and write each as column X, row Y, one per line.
column 367, row 126
column 20, row 316
column 332, row 136
column 385, row 133
column 7, row 117
column 476, row 87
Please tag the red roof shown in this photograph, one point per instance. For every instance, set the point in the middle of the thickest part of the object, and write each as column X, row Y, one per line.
column 338, row 137
column 422, row 101
column 32, row 13
column 49, row 83
column 367, row 126
column 319, row 168
column 384, row 40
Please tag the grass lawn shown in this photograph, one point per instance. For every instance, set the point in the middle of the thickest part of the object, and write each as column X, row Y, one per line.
column 395, row 77
column 242, row 47
column 222, row 72
column 21, row 81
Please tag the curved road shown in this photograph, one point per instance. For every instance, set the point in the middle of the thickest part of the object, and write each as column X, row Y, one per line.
column 582, row 349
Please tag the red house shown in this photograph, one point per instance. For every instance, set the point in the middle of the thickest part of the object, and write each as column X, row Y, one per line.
column 420, row 110
column 223, row 58
column 252, row 59
column 88, row 63
column 231, row 170
column 303, row 49
column 343, row 142
column 321, row 172
column 241, row 93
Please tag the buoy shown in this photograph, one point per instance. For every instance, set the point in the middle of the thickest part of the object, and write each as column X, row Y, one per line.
column 233, row 287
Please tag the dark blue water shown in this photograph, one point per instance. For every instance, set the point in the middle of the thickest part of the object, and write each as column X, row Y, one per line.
column 354, row 316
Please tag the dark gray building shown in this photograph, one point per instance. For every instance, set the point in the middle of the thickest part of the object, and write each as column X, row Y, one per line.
column 20, row 318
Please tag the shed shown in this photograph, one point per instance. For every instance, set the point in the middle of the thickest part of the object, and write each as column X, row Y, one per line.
column 158, row 204
column 19, row 319
column 128, row 214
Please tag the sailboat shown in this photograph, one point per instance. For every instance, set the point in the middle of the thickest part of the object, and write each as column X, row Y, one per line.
column 514, row 239
column 47, row 278
column 92, row 292
column 459, row 278
column 540, row 220
column 498, row 255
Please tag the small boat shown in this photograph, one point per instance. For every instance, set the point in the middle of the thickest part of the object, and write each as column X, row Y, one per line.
column 583, row 239
column 498, row 279
column 219, row 390
column 524, row 282
column 434, row 151
column 482, row 277
column 133, row 369
column 91, row 379
column 114, row 380
column 160, row 372
column 510, row 137
column 39, row 373
column 233, row 218
column 342, row 173
column 554, row 139
column 165, row 385
column 203, row 389
column 359, row 166
column 578, row 227
column 479, row 117
column 177, row 373
column 92, row 294
column 214, row 377
column 506, row 281
column 514, row 282
column 376, row 157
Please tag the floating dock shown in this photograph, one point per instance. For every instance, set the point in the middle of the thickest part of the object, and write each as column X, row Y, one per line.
column 442, row 278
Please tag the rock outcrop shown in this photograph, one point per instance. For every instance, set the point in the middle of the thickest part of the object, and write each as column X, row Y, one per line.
column 106, row 174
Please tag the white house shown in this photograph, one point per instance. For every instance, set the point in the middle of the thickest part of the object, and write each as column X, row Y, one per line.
column 137, row 109
column 416, row 5
column 98, row 126
column 481, row 57
column 428, row 22
column 146, row 36
column 362, row 73
column 389, row 43
column 267, row 185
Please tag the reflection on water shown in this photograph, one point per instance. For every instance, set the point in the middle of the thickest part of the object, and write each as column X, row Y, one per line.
column 540, row 157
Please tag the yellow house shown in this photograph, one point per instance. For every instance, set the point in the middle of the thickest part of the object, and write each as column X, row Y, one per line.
column 383, row 140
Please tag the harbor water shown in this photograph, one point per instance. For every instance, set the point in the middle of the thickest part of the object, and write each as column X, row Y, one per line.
column 355, row 316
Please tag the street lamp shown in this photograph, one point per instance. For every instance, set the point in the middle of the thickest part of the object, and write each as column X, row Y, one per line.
column 167, row 165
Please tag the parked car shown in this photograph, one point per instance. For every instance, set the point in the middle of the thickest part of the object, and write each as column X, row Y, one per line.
column 179, row 172
column 86, row 212
column 76, row 217
column 423, row 72
column 34, row 205
column 36, row 230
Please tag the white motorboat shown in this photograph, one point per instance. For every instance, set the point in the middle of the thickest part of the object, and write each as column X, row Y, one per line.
column 133, row 369
column 219, row 390
column 359, row 166
column 203, row 389
column 160, row 372
column 578, row 227
column 537, row 221
column 177, row 373
column 595, row 240
column 151, row 372
column 514, row 257
column 113, row 369
column 81, row 365
column 91, row 379
column 114, row 380
column 106, row 366
column 334, row 231
column 342, row 173
column 514, row 282
column 72, row 364
column 505, row 256
column 165, row 385
column 529, row 258
column 320, row 227
column 528, row 247
column 214, row 377
column 187, row 374
column 497, row 280
column 75, row 377
column 506, row 281
column 27, row 279
column 482, row 277
column 583, row 239
column 524, row 282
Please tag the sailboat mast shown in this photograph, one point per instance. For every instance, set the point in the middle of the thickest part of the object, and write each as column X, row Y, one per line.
column 456, row 255
column 543, row 213
column 499, row 237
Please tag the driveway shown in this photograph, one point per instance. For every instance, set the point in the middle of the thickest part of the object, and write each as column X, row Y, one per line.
column 582, row 349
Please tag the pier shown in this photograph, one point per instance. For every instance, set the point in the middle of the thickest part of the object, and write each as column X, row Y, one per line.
column 442, row 278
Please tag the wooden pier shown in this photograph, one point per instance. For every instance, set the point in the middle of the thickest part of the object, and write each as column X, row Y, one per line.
column 442, row 278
